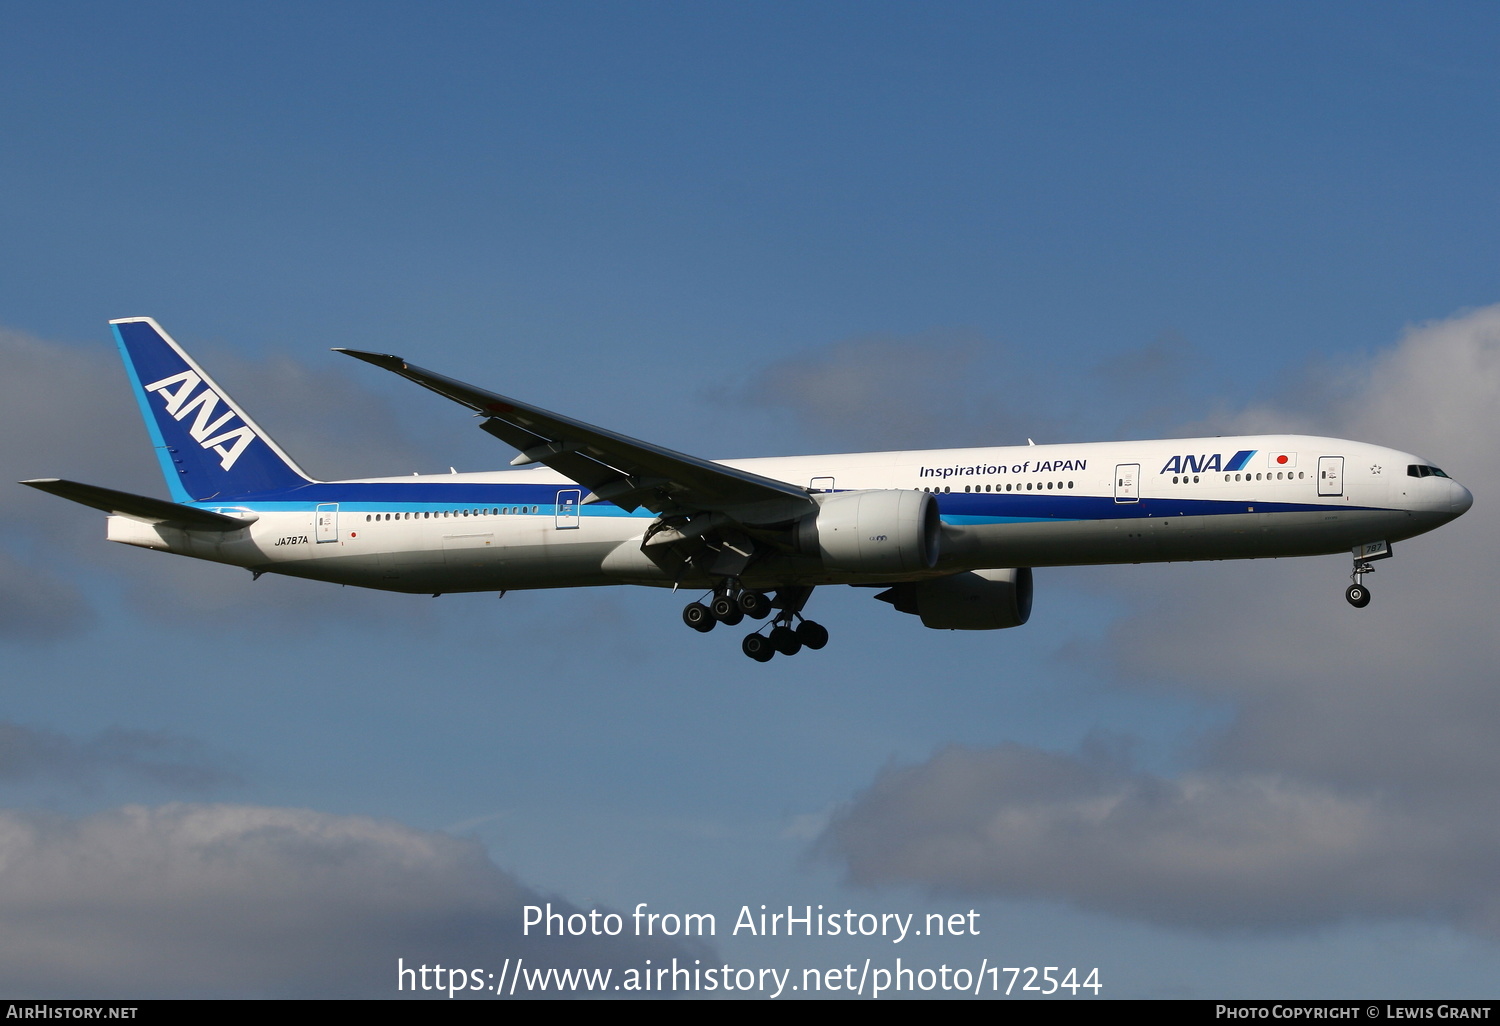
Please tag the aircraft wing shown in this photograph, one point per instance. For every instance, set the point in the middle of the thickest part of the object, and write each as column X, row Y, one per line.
column 141, row 507
column 614, row 467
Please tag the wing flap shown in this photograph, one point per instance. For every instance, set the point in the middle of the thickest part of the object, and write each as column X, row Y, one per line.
column 139, row 507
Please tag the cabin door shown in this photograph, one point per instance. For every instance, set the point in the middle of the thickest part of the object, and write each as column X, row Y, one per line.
column 326, row 522
column 567, row 508
column 1330, row 475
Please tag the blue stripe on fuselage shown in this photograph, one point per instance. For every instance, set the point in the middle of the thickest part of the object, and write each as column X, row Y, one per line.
column 457, row 493
column 964, row 508
column 988, row 508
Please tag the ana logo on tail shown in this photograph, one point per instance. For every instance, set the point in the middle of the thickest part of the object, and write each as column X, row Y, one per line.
column 204, row 429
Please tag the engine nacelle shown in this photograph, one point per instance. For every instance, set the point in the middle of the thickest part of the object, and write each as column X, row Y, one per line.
column 881, row 531
column 979, row 600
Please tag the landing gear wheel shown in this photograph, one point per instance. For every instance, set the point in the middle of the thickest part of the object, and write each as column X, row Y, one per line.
column 699, row 617
column 758, row 647
column 755, row 605
column 785, row 640
column 812, row 635
column 727, row 611
column 1358, row 596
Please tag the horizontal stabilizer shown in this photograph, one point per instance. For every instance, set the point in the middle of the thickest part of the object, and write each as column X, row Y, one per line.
column 141, row 507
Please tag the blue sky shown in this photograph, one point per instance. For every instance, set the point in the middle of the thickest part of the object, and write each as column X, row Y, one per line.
column 749, row 230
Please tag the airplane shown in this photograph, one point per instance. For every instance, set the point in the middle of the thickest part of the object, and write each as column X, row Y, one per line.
column 948, row 535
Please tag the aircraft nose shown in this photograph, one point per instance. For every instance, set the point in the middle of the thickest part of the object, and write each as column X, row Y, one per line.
column 1461, row 500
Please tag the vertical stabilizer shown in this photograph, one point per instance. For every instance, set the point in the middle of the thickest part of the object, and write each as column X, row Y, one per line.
column 207, row 446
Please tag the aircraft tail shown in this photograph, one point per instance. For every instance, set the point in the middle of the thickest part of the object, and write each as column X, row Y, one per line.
column 207, row 446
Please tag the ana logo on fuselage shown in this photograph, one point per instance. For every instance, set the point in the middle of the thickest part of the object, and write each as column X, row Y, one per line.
column 205, row 430
column 1213, row 461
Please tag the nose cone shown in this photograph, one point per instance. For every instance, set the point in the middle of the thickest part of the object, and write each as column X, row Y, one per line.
column 1461, row 499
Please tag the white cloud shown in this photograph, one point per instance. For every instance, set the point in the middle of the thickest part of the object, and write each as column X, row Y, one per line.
column 248, row 901
column 1357, row 776
column 1207, row 849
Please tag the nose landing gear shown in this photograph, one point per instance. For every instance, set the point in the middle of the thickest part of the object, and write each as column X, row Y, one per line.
column 1357, row 594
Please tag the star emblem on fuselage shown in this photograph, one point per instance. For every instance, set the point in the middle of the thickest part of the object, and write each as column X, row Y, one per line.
column 1375, row 469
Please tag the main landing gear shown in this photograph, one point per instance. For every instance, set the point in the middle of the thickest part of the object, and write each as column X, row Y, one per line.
column 731, row 604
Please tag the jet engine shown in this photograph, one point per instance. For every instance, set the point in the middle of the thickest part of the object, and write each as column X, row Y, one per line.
column 978, row 600
column 880, row 531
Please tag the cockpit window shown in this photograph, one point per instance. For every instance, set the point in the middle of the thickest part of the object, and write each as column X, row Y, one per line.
column 1421, row 470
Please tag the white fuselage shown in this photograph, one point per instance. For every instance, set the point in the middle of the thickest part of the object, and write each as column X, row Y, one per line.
column 1019, row 506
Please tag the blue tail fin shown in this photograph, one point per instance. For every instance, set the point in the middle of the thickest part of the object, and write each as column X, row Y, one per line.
column 208, row 448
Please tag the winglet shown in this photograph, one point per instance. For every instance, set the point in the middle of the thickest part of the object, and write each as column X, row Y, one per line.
column 385, row 361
